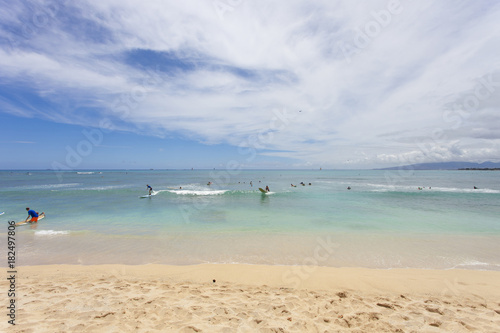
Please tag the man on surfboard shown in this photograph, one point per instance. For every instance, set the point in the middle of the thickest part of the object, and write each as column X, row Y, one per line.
column 34, row 215
column 149, row 188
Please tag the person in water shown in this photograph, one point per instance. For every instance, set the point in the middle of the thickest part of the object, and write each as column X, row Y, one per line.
column 33, row 215
column 267, row 189
column 149, row 188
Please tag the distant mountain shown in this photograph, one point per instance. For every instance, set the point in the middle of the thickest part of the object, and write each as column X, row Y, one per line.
column 446, row 166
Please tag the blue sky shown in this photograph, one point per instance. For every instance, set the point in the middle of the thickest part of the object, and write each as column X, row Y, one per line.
column 281, row 84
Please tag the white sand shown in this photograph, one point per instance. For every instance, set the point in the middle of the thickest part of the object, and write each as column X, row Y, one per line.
column 252, row 298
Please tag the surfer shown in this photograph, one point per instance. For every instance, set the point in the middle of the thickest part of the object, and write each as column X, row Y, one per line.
column 267, row 189
column 33, row 215
column 149, row 188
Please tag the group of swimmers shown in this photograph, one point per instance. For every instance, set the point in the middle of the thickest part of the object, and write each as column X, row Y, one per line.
column 301, row 183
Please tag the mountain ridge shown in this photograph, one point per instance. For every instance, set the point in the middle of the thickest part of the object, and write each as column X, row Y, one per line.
column 446, row 166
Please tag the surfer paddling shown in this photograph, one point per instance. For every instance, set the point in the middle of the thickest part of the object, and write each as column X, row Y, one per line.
column 33, row 216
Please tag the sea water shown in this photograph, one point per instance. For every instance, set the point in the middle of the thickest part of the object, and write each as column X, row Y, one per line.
column 387, row 219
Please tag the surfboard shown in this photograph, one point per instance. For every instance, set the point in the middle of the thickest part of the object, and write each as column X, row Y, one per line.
column 262, row 190
column 148, row 195
column 24, row 222
column 2, row 213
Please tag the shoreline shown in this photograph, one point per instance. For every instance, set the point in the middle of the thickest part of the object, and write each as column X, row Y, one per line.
column 251, row 298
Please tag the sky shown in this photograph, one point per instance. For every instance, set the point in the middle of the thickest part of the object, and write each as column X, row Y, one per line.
column 165, row 84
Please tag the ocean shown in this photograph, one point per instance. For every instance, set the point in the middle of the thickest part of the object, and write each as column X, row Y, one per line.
column 387, row 219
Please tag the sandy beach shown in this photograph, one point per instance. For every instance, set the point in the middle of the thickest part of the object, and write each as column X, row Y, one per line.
column 252, row 298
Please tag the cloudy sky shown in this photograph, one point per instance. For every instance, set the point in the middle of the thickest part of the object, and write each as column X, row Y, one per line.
column 263, row 84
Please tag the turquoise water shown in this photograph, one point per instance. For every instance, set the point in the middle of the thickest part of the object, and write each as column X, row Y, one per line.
column 384, row 221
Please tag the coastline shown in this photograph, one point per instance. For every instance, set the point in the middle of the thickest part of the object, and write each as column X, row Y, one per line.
column 253, row 298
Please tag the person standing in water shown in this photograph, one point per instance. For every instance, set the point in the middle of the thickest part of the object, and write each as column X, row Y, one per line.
column 267, row 189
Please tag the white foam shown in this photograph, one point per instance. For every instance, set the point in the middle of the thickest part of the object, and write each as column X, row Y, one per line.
column 392, row 188
column 198, row 192
column 103, row 188
column 51, row 232
column 465, row 190
column 477, row 265
column 403, row 188
column 84, row 173
column 48, row 186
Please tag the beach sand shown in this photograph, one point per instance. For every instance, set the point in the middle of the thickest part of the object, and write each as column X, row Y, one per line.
column 252, row 298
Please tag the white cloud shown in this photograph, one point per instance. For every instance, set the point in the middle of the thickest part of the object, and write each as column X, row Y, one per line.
column 373, row 104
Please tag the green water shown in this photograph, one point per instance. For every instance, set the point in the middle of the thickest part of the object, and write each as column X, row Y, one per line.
column 383, row 221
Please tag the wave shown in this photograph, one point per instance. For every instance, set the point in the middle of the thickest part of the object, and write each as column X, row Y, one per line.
column 104, row 188
column 221, row 192
column 477, row 265
column 47, row 186
column 85, row 173
column 465, row 190
column 51, row 232
column 406, row 188
column 198, row 192
column 159, row 191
